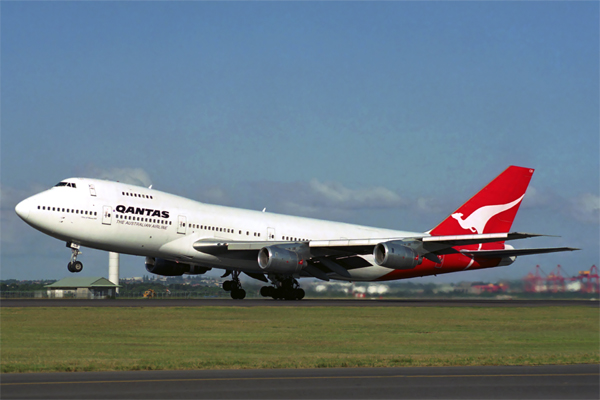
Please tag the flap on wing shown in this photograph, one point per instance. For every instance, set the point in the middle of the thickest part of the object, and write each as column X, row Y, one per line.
column 212, row 246
column 514, row 252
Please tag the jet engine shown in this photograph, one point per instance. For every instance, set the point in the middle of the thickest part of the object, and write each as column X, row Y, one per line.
column 396, row 255
column 164, row 267
column 283, row 259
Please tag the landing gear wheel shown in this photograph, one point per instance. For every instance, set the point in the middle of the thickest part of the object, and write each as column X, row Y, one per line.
column 234, row 286
column 74, row 265
column 77, row 266
column 286, row 288
column 267, row 291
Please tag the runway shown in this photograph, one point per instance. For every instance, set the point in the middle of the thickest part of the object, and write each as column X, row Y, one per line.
column 510, row 382
column 226, row 302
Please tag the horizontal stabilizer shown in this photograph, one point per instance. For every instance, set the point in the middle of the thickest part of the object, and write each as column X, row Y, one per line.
column 514, row 252
column 464, row 240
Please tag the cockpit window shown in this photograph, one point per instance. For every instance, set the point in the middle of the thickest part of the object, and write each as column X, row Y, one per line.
column 67, row 184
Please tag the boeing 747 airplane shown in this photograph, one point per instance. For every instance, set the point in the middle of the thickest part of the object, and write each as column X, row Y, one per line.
column 181, row 236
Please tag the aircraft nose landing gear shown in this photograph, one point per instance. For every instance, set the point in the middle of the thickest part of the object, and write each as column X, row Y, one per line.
column 74, row 265
column 235, row 287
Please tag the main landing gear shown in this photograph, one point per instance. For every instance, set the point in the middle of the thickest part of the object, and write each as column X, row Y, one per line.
column 74, row 265
column 284, row 289
column 234, row 286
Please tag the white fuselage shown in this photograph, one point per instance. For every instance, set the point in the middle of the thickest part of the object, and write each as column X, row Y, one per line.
column 129, row 219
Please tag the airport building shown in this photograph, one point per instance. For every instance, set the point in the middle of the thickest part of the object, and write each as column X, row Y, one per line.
column 82, row 288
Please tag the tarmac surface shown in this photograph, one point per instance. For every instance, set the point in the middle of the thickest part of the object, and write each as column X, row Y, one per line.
column 226, row 302
column 508, row 382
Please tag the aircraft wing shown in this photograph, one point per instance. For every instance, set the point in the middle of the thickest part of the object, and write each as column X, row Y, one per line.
column 514, row 252
column 437, row 245
column 340, row 256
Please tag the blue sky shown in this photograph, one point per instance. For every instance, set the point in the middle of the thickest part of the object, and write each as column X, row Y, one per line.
column 387, row 114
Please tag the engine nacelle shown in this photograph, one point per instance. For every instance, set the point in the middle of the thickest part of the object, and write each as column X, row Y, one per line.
column 283, row 259
column 164, row 267
column 396, row 255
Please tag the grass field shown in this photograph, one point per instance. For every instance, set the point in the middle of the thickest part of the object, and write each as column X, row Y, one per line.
column 87, row 339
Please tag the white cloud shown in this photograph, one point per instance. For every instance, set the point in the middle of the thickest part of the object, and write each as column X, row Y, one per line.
column 132, row 176
column 429, row 205
column 315, row 199
column 333, row 194
column 215, row 195
column 586, row 208
column 535, row 198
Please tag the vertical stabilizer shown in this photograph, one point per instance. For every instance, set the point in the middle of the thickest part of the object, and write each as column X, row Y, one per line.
column 492, row 209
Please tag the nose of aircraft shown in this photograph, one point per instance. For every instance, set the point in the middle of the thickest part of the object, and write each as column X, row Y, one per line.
column 22, row 209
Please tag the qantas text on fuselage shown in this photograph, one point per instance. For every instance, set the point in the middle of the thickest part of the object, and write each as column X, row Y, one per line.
column 189, row 237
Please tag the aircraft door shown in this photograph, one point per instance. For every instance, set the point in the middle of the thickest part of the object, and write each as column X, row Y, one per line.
column 181, row 224
column 270, row 233
column 106, row 215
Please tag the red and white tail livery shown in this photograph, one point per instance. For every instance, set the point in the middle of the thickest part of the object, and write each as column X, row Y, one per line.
column 182, row 236
column 492, row 209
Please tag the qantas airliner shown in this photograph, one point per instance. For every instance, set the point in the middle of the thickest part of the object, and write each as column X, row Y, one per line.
column 182, row 236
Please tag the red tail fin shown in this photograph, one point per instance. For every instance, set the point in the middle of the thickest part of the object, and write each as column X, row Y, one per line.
column 492, row 209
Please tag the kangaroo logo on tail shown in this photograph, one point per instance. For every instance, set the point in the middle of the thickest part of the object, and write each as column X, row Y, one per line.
column 479, row 218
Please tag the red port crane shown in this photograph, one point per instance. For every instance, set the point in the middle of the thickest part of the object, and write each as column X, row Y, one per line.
column 533, row 282
column 555, row 281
